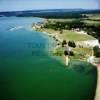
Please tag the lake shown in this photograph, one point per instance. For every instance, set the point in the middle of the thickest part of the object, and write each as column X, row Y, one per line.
column 28, row 72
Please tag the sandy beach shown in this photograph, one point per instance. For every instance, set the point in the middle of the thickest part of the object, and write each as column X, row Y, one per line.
column 97, row 95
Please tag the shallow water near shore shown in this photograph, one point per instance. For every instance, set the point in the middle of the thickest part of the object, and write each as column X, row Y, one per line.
column 28, row 73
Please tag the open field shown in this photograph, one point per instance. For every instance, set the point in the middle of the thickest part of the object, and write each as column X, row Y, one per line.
column 78, row 53
column 95, row 16
column 81, row 53
column 72, row 36
column 92, row 19
column 61, row 20
column 91, row 22
column 69, row 20
column 68, row 35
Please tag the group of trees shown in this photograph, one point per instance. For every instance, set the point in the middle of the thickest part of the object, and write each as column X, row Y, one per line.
column 64, row 25
column 93, row 30
column 70, row 43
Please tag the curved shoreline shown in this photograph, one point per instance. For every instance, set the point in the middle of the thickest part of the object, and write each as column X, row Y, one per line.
column 59, row 40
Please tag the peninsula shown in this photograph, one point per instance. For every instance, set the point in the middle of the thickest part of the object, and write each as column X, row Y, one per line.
column 78, row 34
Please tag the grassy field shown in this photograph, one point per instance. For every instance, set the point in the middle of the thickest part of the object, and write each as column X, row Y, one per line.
column 79, row 53
column 72, row 36
column 90, row 16
column 95, row 16
column 61, row 20
column 91, row 22
column 69, row 35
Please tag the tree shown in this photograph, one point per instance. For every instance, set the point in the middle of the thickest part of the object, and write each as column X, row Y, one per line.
column 72, row 44
column 90, row 31
column 96, row 51
column 77, row 24
column 72, row 53
column 64, row 43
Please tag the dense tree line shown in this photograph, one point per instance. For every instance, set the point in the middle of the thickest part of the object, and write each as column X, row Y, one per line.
column 52, row 15
column 65, row 24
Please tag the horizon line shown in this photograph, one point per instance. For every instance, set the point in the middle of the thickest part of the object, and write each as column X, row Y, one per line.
column 50, row 9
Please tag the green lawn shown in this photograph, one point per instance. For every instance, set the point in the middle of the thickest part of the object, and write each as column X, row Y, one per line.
column 61, row 20
column 72, row 36
column 79, row 53
column 91, row 22
column 69, row 35
column 95, row 16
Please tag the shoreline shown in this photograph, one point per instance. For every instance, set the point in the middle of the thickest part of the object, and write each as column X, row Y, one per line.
column 59, row 40
column 97, row 92
column 56, row 38
column 86, row 43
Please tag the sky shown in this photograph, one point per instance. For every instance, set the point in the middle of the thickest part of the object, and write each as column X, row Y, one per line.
column 18, row 5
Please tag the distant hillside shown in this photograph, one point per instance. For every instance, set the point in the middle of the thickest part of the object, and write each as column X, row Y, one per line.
column 55, row 13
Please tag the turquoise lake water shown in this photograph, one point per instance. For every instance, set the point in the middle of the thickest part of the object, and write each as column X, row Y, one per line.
column 28, row 73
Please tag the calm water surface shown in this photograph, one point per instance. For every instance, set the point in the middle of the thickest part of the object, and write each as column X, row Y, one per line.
column 28, row 73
